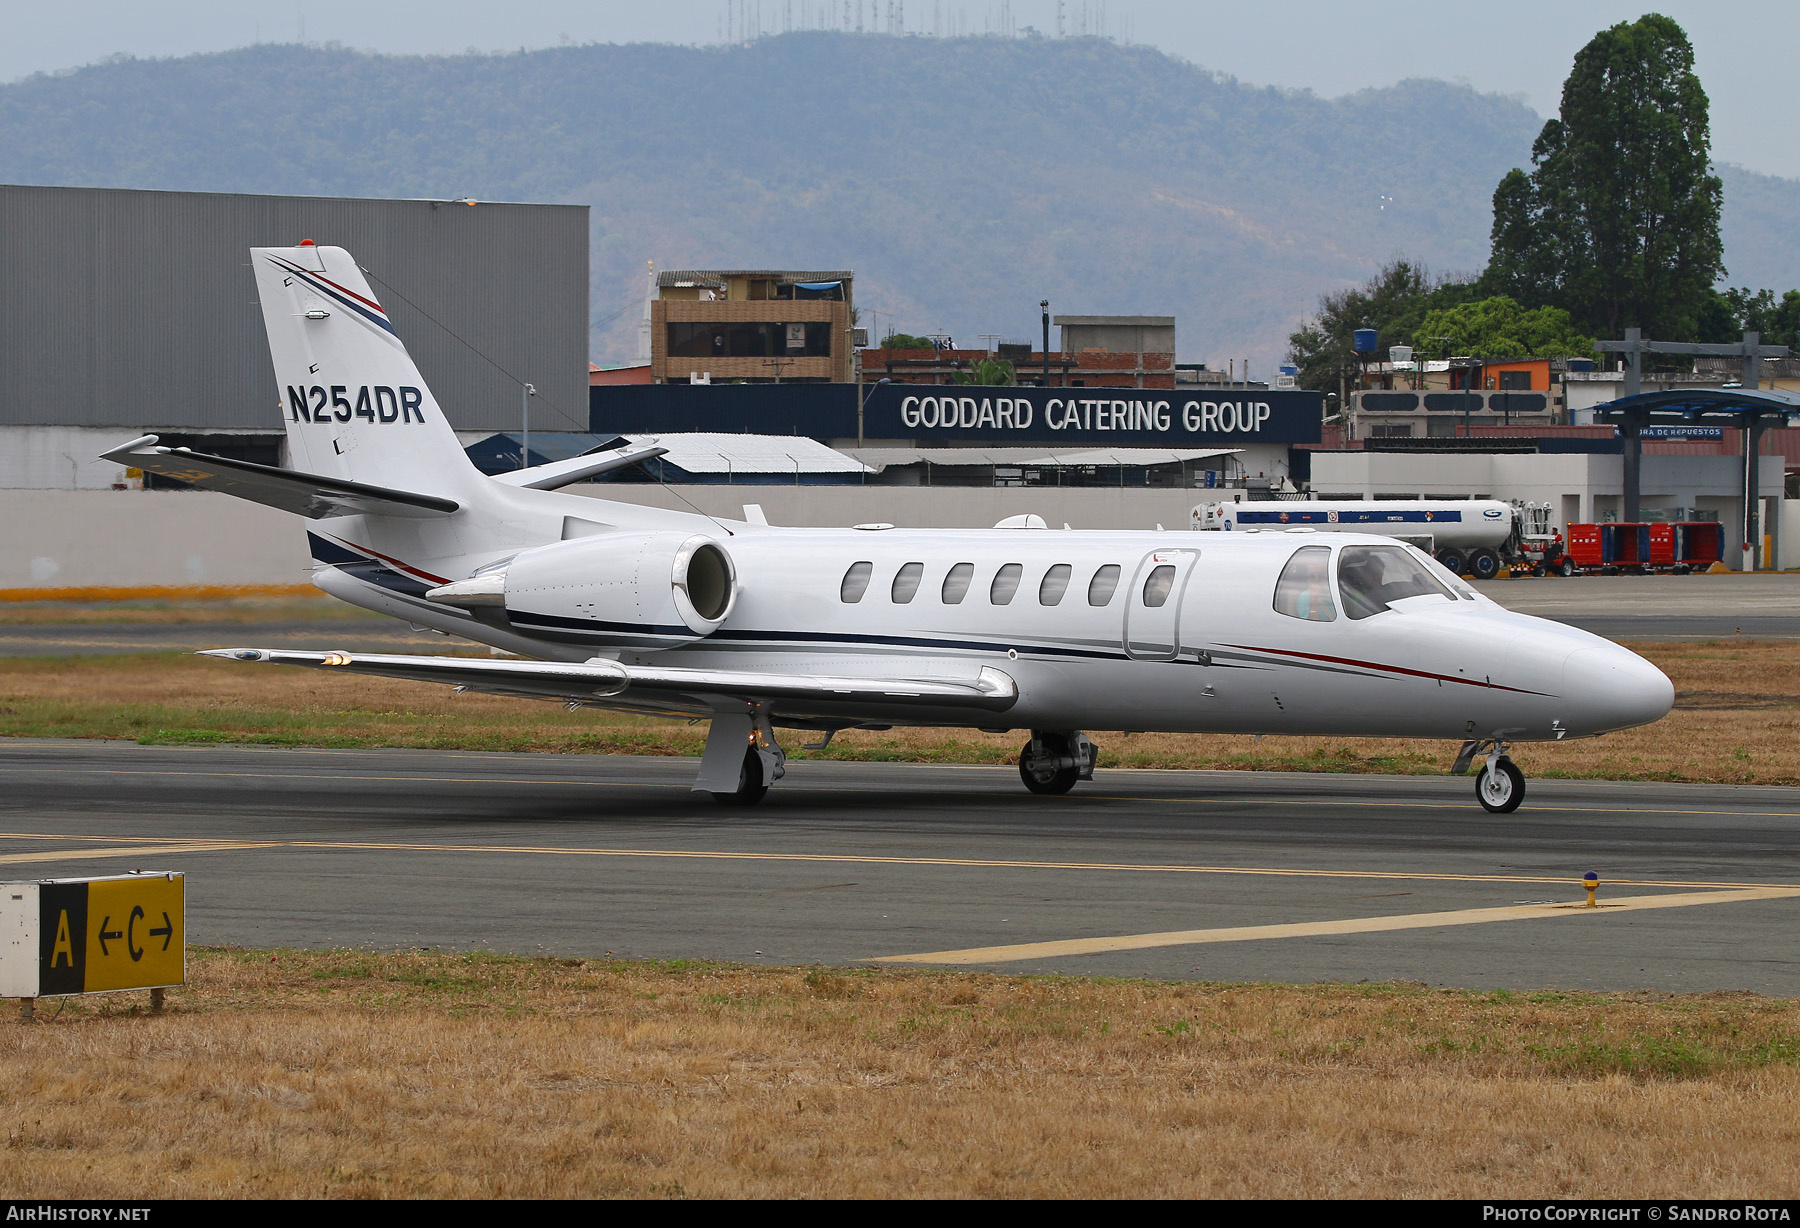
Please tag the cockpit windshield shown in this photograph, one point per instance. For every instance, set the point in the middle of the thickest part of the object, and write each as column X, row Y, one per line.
column 1370, row 578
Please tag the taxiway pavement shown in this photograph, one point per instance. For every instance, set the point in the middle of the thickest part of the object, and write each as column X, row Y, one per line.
column 1213, row 875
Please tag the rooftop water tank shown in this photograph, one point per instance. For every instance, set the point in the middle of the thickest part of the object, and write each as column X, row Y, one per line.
column 1398, row 354
column 1364, row 340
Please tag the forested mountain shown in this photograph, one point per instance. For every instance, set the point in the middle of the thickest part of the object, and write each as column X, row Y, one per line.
column 963, row 179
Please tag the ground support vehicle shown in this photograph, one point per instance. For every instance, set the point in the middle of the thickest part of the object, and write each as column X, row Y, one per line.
column 1644, row 548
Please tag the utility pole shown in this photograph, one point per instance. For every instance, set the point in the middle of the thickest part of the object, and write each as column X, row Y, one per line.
column 525, row 395
column 1044, row 307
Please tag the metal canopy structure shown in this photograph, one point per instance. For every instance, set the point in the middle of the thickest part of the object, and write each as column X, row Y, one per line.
column 1748, row 409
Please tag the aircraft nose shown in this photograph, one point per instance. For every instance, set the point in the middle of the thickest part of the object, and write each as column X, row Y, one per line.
column 1614, row 688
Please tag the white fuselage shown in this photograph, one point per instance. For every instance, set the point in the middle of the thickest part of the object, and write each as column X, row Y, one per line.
column 1214, row 656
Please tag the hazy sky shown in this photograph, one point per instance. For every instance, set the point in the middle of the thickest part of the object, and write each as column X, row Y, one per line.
column 1747, row 50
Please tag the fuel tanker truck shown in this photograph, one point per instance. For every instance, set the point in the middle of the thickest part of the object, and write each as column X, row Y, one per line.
column 1469, row 536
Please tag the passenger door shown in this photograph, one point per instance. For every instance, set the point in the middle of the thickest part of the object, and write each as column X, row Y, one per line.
column 1153, row 604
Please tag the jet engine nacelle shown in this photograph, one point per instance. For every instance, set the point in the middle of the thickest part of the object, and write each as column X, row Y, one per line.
column 644, row 590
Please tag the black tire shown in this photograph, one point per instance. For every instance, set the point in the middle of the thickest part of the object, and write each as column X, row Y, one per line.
column 1452, row 561
column 1484, row 564
column 1565, row 568
column 1048, row 781
column 751, row 788
column 1508, row 788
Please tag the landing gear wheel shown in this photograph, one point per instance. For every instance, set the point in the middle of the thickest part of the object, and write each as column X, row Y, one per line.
column 1501, row 788
column 1042, row 774
column 750, row 788
column 1452, row 561
column 1484, row 564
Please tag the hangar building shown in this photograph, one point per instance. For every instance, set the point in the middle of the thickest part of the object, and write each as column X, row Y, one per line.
column 127, row 312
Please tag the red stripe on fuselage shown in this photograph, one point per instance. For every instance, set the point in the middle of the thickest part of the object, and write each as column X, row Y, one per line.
column 1392, row 669
column 411, row 571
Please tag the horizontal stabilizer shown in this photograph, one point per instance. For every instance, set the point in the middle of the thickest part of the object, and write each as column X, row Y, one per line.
column 305, row 494
column 561, row 473
column 600, row 680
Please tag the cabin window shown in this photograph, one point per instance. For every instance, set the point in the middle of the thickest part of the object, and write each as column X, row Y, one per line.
column 1006, row 583
column 856, row 582
column 906, row 582
column 1054, row 585
column 1104, row 584
column 956, row 583
column 1372, row 577
column 1304, row 589
column 1157, row 586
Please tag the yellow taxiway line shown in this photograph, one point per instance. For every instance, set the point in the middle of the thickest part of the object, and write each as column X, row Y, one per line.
column 134, row 850
column 1314, row 929
column 188, row 843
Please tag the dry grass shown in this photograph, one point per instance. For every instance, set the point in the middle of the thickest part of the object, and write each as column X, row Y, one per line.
column 351, row 1074
column 1737, row 721
column 270, row 603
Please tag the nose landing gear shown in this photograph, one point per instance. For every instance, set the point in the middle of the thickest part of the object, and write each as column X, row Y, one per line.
column 1500, row 786
column 1053, row 761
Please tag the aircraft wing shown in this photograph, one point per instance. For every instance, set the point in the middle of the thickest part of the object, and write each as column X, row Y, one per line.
column 600, row 680
column 305, row 494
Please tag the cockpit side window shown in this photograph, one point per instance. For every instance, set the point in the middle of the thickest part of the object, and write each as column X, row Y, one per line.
column 1372, row 577
column 1304, row 589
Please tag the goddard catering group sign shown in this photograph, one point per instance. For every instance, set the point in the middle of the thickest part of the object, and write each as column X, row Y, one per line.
column 1134, row 416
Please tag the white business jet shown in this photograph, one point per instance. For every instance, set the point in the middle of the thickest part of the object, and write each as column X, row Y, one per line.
column 762, row 628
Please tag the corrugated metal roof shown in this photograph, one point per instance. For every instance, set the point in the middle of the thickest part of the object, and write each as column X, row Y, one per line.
column 713, row 452
column 881, row 458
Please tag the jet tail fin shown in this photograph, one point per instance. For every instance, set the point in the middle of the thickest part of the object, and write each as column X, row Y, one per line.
column 355, row 407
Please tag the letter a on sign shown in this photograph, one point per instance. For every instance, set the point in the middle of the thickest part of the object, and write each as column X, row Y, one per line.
column 63, row 953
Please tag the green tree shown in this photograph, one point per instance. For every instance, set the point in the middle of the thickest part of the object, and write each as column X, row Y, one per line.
column 1784, row 321
column 906, row 341
column 1499, row 327
column 991, row 372
column 1618, row 221
column 1393, row 302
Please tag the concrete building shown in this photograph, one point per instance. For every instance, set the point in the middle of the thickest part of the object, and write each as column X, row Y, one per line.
column 752, row 325
column 125, row 312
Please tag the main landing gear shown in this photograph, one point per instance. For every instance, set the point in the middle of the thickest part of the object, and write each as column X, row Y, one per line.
column 742, row 758
column 1054, row 760
column 1500, row 785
